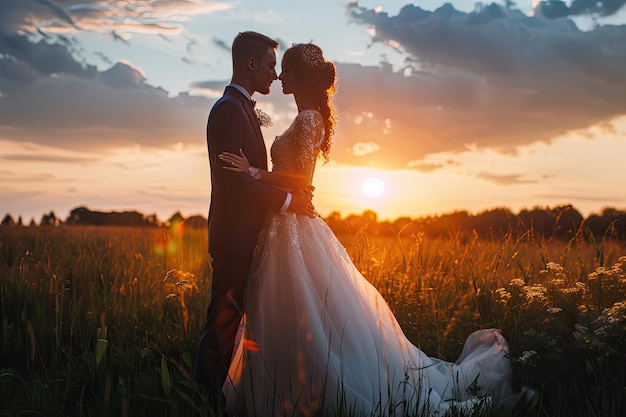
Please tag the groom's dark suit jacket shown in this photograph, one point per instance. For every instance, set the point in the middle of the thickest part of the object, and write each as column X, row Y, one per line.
column 238, row 202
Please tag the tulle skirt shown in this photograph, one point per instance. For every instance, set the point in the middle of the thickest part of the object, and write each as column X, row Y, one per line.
column 318, row 339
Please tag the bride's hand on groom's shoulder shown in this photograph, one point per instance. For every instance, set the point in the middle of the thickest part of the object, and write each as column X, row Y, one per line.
column 301, row 203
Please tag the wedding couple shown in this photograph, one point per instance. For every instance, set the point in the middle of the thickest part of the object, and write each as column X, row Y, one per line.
column 317, row 338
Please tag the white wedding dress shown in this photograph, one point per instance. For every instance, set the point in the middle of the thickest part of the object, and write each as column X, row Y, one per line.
column 318, row 339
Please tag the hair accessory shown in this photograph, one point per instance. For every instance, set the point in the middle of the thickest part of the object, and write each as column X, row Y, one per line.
column 311, row 55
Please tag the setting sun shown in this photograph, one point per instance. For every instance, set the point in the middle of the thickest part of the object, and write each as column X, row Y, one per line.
column 373, row 187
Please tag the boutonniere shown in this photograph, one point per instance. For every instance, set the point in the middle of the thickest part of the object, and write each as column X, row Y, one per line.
column 264, row 119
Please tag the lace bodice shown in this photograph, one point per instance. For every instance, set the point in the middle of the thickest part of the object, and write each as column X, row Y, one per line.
column 299, row 144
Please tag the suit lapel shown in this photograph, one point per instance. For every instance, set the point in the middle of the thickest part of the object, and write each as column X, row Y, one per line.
column 247, row 105
column 257, row 127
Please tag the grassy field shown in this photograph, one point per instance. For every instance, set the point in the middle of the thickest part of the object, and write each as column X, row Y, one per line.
column 104, row 321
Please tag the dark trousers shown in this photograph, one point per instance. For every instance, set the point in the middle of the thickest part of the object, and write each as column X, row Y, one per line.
column 215, row 347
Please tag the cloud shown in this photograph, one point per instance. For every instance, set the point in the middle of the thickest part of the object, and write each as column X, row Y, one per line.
column 131, row 15
column 120, row 38
column 506, row 179
column 221, row 44
column 45, row 78
column 78, row 107
column 554, row 9
column 10, row 177
column 42, row 57
column 46, row 158
column 360, row 148
column 604, row 199
column 425, row 166
column 495, row 78
column 430, row 166
column 213, row 89
column 57, row 11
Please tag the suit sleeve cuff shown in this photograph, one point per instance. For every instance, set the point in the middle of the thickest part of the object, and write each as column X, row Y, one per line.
column 285, row 206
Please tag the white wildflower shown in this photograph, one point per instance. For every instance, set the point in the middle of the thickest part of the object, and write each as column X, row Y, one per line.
column 517, row 282
column 536, row 293
column 503, row 295
column 527, row 356
column 553, row 266
column 170, row 276
column 557, row 282
column 581, row 334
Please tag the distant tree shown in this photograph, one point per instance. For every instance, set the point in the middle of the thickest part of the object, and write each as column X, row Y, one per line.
column 494, row 222
column 447, row 224
column 152, row 219
column 539, row 220
column 405, row 227
column 85, row 216
column 383, row 228
column 19, row 221
column 366, row 221
column 611, row 222
column 336, row 223
column 7, row 221
column 49, row 219
column 32, row 222
column 567, row 222
column 196, row 222
column 176, row 220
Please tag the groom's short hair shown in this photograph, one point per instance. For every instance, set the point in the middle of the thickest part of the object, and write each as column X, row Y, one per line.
column 247, row 44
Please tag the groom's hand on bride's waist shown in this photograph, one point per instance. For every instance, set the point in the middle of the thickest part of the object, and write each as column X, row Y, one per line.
column 301, row 203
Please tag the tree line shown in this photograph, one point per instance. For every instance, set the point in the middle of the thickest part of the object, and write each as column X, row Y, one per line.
column 563, row 222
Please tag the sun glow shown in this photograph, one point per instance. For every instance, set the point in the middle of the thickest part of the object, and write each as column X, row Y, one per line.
column 373, row 187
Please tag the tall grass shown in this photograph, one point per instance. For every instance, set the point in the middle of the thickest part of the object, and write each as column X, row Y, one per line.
column 104, row 321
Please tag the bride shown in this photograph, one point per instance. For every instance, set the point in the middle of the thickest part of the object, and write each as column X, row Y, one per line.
column 318, row 338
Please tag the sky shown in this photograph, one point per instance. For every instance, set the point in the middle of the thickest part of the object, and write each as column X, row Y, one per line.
column 440, row 106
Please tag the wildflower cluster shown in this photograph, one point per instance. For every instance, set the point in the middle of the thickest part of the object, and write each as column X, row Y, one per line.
column 179, row 280
column 561, row 321
column 182, row 282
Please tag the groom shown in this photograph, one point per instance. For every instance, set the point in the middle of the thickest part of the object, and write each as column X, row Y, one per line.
column 238, row 201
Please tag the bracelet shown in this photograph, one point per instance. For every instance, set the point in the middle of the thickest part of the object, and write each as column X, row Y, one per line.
column 254, row 173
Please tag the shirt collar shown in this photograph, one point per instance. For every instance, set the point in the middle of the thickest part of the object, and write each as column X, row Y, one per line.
column 241, row 90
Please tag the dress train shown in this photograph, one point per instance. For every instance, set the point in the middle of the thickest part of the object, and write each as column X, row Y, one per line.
column 318, row 339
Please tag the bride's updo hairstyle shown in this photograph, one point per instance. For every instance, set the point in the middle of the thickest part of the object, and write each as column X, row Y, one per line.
column 308, row 64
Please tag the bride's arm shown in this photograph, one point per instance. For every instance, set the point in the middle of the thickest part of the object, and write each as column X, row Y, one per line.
column 286, row 180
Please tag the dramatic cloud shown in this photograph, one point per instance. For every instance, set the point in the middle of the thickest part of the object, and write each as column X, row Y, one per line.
column 114, row 108
column 492, row 78
column 34, row 32
column 155, row 16
column 50, row 95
